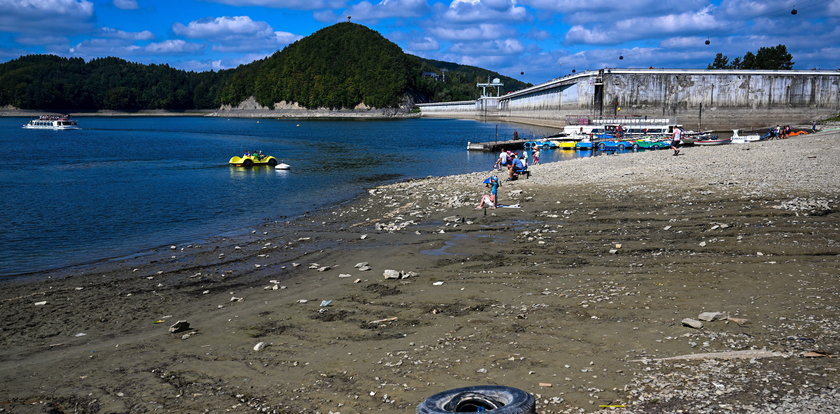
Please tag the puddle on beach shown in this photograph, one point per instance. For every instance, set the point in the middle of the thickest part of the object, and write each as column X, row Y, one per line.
column 444, row 250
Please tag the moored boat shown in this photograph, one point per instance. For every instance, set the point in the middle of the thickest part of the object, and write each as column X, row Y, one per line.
column 54, row 122
column 744, row 139
column 711, row 140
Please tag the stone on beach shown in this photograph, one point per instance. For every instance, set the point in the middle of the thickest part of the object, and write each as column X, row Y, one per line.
column 179, row 326
column 711, row 316
column 692, row 323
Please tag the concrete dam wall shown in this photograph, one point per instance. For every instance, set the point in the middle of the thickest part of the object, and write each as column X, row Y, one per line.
column 695, row 98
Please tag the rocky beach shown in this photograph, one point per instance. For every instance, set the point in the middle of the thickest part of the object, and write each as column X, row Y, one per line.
column 632, row 283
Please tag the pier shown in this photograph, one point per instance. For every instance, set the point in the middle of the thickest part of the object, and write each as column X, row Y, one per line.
column 496, row 146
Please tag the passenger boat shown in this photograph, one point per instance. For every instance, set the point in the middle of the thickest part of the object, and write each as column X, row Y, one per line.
column 54, row 122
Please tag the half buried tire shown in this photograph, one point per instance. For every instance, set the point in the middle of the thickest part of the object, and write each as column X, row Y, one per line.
column 492, row 398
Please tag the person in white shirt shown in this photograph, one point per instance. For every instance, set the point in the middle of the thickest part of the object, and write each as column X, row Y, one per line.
column 675, row 140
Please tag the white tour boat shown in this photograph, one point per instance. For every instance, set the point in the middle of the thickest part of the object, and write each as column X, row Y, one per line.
column 55, row 122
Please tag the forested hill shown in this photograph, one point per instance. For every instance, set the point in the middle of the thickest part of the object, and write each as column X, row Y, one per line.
column 56, row 83
column 340, row 66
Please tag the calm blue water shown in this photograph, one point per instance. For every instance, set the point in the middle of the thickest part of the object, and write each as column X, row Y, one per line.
column 123, row 185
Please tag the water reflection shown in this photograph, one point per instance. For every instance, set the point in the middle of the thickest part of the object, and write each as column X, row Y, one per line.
column 247, row 173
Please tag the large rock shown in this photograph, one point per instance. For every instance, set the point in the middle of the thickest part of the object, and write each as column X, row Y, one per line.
column 692, row 323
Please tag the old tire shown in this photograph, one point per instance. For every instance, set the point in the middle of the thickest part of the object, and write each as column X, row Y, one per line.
column 272, row 162
column 493, row 398
column 635, row 147
column 602, row 146
column 621, row 147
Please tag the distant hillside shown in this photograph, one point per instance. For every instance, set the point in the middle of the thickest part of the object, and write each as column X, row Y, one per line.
column 340, row 66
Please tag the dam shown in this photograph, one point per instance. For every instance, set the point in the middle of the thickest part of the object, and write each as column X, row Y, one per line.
column 696, row 98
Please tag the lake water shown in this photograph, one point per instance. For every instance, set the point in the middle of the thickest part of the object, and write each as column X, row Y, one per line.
column 122, row 185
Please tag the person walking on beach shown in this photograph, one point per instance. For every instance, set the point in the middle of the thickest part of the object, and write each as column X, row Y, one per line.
column 675, row 140
column 536, row 155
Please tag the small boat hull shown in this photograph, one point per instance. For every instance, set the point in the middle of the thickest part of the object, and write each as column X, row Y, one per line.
column 709, row 142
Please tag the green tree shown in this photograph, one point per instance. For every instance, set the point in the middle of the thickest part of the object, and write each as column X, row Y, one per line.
column 769, row 58
column 720, row 62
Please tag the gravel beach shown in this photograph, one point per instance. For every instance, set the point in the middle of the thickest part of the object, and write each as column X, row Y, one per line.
column 705, row 282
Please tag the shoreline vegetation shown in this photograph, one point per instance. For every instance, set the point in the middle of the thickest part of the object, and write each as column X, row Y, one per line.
column 228, row 113
column 578, row 296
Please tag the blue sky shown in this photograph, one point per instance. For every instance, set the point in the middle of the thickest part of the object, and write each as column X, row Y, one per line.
column 543, row 39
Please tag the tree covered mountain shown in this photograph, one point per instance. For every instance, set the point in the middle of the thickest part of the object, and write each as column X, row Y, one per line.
column 340, row 66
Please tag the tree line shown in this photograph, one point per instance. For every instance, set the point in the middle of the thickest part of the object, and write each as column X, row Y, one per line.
column 770, row 58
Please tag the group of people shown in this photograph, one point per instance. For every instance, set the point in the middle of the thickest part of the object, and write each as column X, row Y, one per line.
column 256, row 154
column 780, row 132
column 515, row 163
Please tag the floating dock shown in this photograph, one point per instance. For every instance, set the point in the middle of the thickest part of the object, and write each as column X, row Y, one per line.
column 515, row 144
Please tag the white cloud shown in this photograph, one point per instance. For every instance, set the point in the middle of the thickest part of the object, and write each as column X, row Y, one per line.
column 119, row 34
column 366, row 11
column 482, row 31
column 539, row 34
column 236, row 34
column 222, row 26
column 287, row 4
column 42, row 40
column 593, row 11
column 462, row 11
column 176, row 46
column 424, row 44
column 54, row 17
column 103, row 47
column 119, row 47
column 491, row 48
column 621, row 31
column 126, row 4
column 833, row 8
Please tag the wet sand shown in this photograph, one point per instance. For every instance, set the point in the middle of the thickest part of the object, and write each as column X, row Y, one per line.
column 572, row 297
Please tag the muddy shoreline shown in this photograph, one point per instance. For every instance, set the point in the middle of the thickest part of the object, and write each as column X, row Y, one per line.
column 570, row 297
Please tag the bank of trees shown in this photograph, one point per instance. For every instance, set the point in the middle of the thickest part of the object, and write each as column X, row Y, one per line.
column 56, row 83
column 771, row 58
